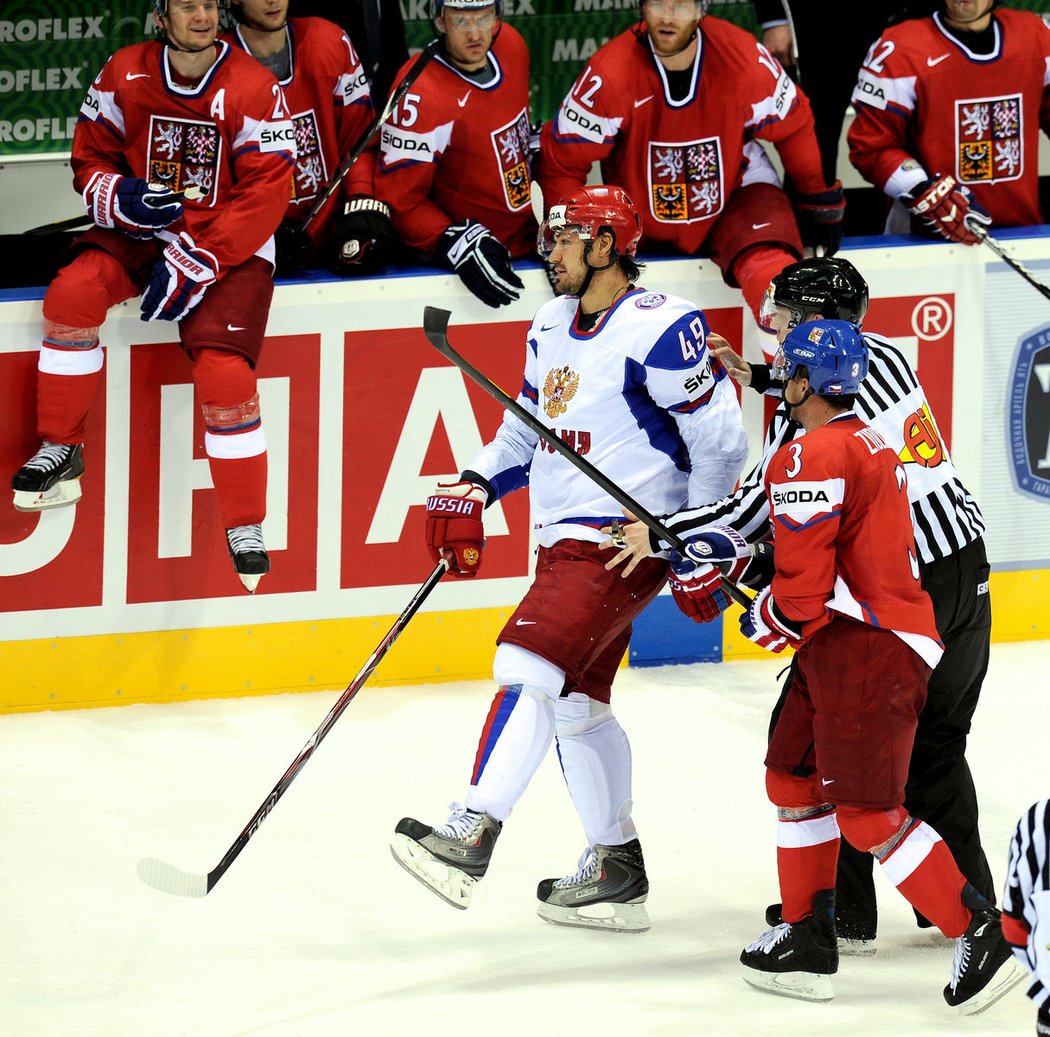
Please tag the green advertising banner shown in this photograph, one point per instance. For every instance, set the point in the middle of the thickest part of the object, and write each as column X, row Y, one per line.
column 47, row 63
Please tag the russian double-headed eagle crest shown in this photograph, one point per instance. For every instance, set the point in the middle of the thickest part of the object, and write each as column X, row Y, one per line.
column 559, row 388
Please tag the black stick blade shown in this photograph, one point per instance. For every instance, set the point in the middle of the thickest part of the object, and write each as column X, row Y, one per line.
column 435, row 326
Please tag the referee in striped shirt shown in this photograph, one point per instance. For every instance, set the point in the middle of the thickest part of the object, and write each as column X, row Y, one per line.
column 953, row 568
column 1026, row 905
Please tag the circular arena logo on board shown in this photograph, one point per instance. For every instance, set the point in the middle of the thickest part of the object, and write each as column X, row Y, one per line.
column 1028, row 404
column 650, row 301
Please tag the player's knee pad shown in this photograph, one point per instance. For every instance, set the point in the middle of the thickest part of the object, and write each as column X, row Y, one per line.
column 577, row 713
column 788, row 791
column 516, row 665
column 871, row 829
column 83, row 291
column 224, row 381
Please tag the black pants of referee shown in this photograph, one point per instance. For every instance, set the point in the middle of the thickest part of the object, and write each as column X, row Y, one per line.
column 940, row 788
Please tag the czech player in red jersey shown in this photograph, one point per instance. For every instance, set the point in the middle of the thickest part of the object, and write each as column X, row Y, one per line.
column 165, row 120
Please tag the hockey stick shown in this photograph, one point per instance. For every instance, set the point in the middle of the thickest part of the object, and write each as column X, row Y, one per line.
column 1014, row 264
column 169, row 879
column 191, row 194
column 372, row 129
column 435, row 327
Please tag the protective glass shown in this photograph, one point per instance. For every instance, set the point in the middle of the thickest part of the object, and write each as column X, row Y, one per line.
column 767, row 313
column 471, row 22
column 549, row 238
column 680, row 9
column 782, row 368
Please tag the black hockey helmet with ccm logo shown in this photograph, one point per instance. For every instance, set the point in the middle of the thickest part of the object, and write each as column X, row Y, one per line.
column 830, row 286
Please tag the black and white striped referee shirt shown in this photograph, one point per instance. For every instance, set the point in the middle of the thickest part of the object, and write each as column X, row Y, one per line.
column 944, row 514
column 1026, row 901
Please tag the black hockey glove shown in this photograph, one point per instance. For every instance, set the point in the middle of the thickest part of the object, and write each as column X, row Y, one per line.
column 482, row 262
column 820, row 219
column 293, row 247
column 534, row 144
column 363, row 237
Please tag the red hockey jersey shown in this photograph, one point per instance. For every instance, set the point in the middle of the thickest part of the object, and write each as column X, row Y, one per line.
column 923, row 95
column 678, row 160
column 229, row 135
column 331, row 106
column 453, row 149
column 843, row 535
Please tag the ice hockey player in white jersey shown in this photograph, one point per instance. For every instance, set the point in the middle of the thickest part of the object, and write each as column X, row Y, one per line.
column 624, row 376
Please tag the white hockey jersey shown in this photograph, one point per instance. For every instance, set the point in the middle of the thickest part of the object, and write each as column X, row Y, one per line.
column 639, row 396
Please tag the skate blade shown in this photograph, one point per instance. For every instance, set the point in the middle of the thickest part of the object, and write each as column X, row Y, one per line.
column 60, row 495
column 452, row 885
column 614, row 918
column 250, row 580
column 1009, row 975
column 805, row 986
column 856, row 948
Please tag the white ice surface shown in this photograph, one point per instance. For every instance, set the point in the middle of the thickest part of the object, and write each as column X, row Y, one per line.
column 316, row 931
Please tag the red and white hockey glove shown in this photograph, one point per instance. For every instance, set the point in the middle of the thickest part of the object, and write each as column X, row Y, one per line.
column 454, row 528
column 178, row 280
column 698, row 593
column 948, row 209
column 129, row 204
column 767, row 626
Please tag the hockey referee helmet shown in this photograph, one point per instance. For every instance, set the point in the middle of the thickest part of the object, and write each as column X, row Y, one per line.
column 831, row 353
column 829, row 286
column 588, row 212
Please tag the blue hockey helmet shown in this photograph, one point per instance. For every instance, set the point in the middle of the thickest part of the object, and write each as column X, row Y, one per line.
column 833, row 353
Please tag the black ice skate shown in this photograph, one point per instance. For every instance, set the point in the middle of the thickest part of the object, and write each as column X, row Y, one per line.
column 608, row 891
column 50, row 478
column 797, row 959
column 856, row 939
column 449, row 859
column 983, row 968
column 248, row 552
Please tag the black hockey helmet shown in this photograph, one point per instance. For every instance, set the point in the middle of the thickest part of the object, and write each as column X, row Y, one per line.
column 826, row 285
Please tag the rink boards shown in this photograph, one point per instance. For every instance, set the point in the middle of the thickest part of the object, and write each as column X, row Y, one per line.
column 130, row 597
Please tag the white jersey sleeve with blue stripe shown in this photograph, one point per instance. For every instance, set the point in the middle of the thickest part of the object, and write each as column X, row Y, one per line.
column 639, row 396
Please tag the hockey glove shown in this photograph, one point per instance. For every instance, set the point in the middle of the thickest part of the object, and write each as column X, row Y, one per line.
column 819, row 218
column 948, row 209
column 482, row 262
column 535, row 137
column 364, row 237
column 454, row 528
column 722, row 546
column 698, row 592
column 767, row 626
column 178, row 280
column 757, row 573
column 292, row 245
column 129, row 204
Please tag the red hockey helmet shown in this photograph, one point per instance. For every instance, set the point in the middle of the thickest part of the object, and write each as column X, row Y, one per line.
column 590, row 210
